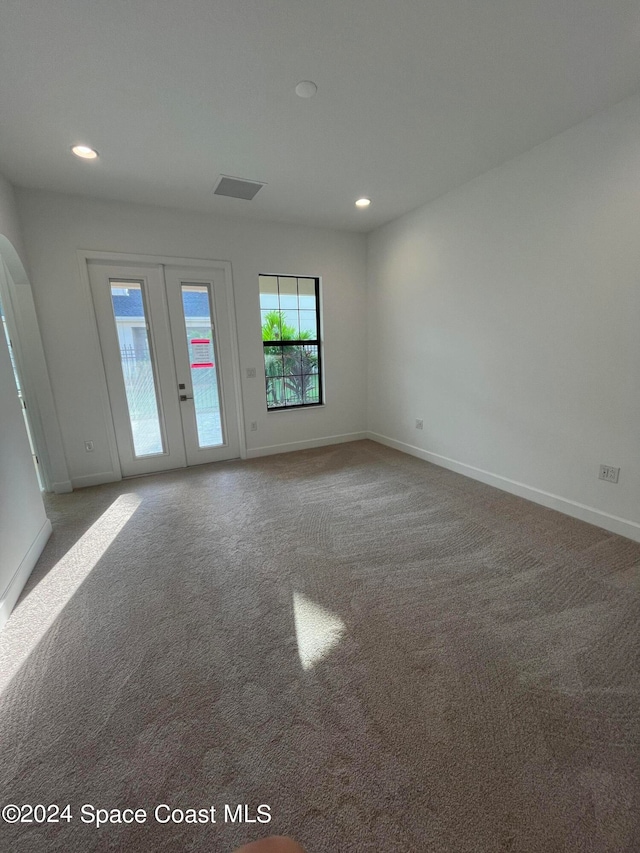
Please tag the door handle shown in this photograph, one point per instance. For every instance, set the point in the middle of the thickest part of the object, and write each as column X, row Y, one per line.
column 184, row 397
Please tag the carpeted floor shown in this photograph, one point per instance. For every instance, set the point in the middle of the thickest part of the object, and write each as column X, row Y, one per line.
column 389, row 655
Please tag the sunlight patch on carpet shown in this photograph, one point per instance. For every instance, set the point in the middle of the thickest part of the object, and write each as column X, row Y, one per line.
column 318, row 630
column 35, row 614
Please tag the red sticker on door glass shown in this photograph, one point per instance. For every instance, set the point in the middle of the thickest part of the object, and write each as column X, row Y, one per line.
column 201, row 352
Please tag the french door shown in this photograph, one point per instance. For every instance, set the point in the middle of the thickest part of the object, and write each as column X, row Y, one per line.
column 167, row 351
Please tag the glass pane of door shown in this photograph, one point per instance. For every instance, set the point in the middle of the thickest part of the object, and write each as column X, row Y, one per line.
column 127, row 299
column 196, row 306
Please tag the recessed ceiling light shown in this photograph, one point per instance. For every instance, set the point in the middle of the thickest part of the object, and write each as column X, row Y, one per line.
column 85, row 152
column 306, row 89
column 363, row 202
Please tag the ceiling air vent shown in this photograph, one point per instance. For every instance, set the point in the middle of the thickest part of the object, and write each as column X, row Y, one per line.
column 237, row 187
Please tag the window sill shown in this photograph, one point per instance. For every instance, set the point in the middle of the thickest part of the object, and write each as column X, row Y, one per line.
column 287, row 409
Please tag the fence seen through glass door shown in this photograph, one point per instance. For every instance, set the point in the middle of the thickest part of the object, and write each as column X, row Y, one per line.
column 138, row 369
column 196, row 306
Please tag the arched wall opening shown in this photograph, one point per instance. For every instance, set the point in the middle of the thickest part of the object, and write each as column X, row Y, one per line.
column 32, row 367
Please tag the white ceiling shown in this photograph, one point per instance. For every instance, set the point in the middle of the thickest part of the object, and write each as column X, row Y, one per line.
column 415, row 97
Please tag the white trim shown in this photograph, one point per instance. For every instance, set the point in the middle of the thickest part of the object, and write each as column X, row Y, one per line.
column 34, row 418
column 21, row 575
column 167, row 260
column 89, row 310
column 62, row 488
column 270, row 449
column 95, row 479
column 235, row 356
column 612, row 523
column 32, row 368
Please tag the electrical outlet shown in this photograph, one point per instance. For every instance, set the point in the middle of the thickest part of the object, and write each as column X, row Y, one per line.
column 88, row 446
column 419, row 423
column 254, row 426
column 251, row 373
column 609, row 473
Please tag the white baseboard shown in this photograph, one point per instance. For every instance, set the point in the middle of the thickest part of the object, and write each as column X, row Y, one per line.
column 62, row 488
column 269, row 450
column 613, row 523
column 21, row 575
column 94, row 479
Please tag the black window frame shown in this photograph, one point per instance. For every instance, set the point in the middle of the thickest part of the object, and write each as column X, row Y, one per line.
column 317, row 342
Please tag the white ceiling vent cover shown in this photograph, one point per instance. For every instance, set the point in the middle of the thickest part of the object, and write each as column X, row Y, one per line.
column 237, row 187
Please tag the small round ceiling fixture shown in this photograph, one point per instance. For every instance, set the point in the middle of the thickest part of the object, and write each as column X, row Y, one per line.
column 363, row 202
column 306, row 89
column 85, row 152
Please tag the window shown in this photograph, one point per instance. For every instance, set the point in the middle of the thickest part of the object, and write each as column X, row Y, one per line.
column 290, row 315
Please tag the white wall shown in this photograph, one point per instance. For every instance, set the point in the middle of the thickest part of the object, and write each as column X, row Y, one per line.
column 506, row 314
column 9, row 222
column 24, row 527
column 56, row 226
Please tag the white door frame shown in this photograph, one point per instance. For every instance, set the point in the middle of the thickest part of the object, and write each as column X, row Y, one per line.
column 84, row 256
column 32, row 368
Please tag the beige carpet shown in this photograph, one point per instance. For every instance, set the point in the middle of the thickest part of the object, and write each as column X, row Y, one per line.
column 389, row 655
